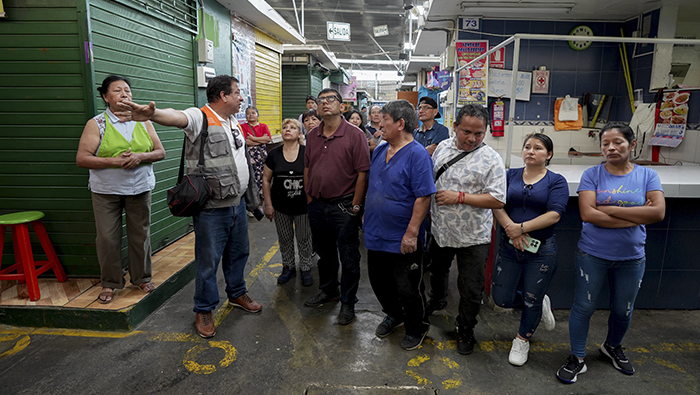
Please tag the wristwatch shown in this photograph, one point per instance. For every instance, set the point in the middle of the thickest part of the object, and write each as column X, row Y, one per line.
column 356, row 209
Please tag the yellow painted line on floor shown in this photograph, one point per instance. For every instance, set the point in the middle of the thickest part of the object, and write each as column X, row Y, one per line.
column 417, row 361
column 193, row 366
column 8, row 333
column 420, row 379
column 225, row 309
column 19, row 346
column 452, row 383
column 67, row 332
column 450, row 363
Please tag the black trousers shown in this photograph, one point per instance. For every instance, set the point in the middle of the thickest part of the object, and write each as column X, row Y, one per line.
column 470, row 278
column 397, row 281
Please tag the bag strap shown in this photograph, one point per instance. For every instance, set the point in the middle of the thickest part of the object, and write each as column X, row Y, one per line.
column 204, row 133
column 454, row 160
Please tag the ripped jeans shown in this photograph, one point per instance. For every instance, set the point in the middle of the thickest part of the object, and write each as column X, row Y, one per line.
column 520, row 280
column 625, row 278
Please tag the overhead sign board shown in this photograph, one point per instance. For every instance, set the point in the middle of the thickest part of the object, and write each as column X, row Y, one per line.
column 338, row 31
column 380, row 31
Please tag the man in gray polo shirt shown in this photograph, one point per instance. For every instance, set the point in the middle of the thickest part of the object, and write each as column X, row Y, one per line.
column 335, row 178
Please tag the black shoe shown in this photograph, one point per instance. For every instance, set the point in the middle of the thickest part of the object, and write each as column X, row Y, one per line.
column 287, row 274
column 618, row 358
column 465, row 340
column 411, row 342
column 387, row 326
column 347, row 314
column 569, row 372
column 307, row 279
column 434, row 305
column 321, row 298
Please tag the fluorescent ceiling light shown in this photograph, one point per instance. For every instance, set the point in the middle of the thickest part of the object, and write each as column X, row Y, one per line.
column 476, row 7
column 370, row 61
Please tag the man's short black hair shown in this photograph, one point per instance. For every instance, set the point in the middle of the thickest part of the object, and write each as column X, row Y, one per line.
column 473, row 110
column 218, row 84
column 311, row 97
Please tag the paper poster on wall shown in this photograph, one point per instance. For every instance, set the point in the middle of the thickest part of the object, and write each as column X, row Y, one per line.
column 243, row 62
column 540, row 81
column 500, row 84
column 673, row 116
column 473, row 81
column 497, row 59
column 349, row 92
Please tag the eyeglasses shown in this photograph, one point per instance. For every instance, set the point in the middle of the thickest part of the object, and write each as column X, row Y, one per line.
column 328, row 99
column 425, row 108
column 236, row 142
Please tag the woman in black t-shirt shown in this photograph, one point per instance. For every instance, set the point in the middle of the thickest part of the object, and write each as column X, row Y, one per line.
column 285, row 201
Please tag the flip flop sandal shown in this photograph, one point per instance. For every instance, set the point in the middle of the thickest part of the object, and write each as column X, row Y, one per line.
column 106, row 296
column 147, row 287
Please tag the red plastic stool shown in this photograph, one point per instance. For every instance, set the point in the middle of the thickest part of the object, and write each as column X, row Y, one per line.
column 27, row 270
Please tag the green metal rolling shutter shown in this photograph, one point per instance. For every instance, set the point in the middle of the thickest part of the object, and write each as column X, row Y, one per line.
column 295, row 88
column 316, row 82
column 43, row 80
column 158, row 59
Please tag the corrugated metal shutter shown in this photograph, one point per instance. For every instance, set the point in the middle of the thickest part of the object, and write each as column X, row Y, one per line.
column 158, row 59
column 316, row 82
column 295, row 88
column 268, row 81
column 43, row 81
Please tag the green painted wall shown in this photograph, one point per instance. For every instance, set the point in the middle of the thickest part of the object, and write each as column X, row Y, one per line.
column 43, row 108
column 217, row 22
column 48, row 92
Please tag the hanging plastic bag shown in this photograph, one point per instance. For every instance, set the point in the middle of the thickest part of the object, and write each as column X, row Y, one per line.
column 569, row 109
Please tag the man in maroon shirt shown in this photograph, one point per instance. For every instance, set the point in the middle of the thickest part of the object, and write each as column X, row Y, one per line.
column 335, row 178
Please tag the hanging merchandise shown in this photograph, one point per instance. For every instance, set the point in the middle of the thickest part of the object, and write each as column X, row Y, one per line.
column 567, row 125
column 569, row 109
column 498, row 118
column 432, row 81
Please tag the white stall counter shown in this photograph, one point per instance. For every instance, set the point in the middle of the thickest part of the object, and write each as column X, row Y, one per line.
column 677, row 181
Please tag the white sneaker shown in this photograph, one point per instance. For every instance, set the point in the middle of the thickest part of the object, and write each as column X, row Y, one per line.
column 547, row 316
column 518, row 353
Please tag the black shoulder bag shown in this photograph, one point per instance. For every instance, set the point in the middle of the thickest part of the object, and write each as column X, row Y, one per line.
column 192, row 191
column 454, row 160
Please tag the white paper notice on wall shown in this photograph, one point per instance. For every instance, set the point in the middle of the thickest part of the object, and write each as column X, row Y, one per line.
column 500, row 84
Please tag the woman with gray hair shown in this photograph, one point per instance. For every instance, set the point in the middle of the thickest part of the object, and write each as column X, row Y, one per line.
column 398, row 197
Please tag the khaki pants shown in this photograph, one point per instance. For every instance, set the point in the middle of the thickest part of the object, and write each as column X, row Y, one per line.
column 108, row 222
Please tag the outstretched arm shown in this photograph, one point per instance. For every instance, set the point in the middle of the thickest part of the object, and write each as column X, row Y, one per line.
column 139, row 112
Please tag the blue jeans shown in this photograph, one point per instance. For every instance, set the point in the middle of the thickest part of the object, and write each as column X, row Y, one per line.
column 221, row 234
column 520, row 280
column 334, row 231
column 470, row 278
column 625, row 278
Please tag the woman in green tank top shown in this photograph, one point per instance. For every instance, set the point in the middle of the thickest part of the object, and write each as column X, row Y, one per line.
column 119, row 153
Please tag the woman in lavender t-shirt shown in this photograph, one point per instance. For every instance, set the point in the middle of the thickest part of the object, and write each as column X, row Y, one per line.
column 616, row 199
